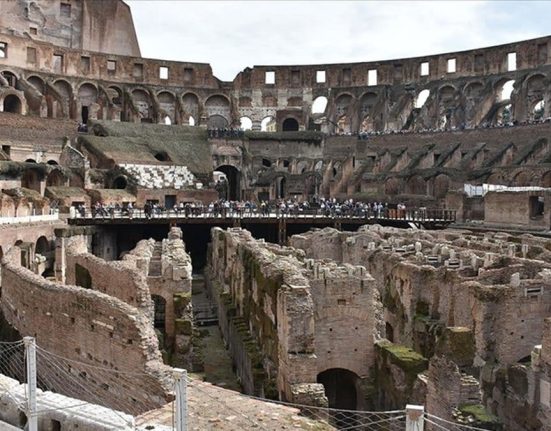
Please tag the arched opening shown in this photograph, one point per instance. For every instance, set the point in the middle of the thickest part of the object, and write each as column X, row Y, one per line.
column 12, row 104
column 267, row 124
column 191, row 121
column 166, row 106
column 11, row 78
column 422, row 98
column 83, row 277
column 538, row 111
column 217, row 122
column 159, row 320
column 506, row 90
column 280, row 187
column 319, row 105
column 142, row 104
column 30, row 161
column 44, row 256
column 190, row 103
column 522, row 179
column 233, row 180
column 87, row 96
column 290, row 125
column 52, row 162
column 120, row 183
column 266, row 163
column 31, row 180
column 37, row 83
column 340, row 390
column 162, row 156
column 167, row 121
column 246, row 123
column 55, row 179
column 416, row 186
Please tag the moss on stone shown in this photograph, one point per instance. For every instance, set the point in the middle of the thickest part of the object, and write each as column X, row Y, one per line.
column 411, row 362
column 479, row 413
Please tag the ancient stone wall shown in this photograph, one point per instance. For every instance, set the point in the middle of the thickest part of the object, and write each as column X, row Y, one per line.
column 296, row 318
column 90, row 327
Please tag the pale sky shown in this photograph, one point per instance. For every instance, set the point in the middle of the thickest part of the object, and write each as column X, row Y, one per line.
column 232, row 35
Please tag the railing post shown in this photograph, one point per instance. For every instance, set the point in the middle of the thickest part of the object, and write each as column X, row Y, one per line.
column 415, row 417
column 30, row 354
column 180, row 381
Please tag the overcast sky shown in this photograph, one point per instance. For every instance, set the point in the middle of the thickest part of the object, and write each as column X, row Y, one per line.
column 233, row 35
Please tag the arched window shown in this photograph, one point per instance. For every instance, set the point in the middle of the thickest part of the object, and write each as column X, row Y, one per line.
column 320, row 105
column 191, row 121
column 246, row 123
column 506, row 90
column 12, row 104
column 290, row 125
column 167, row 121
column 267, row 124
column 422, row 98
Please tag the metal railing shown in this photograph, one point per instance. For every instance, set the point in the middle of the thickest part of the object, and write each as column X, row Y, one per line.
column 411, row 215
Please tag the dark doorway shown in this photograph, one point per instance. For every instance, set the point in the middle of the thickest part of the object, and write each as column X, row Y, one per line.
column 82, row 277
column 233, row 177
column 12, row 104
column 340, row 389
column 170, row 201
column 290, row 125
column 160, row 312
column 84, row 114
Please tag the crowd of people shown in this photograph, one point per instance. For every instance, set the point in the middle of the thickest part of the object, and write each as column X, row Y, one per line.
column 236, row 208
column 365, row 135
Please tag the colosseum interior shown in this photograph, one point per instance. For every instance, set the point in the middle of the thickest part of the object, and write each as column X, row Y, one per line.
column 349, row 238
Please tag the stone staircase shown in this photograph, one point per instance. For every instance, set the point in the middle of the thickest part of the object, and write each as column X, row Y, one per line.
column 160, row 176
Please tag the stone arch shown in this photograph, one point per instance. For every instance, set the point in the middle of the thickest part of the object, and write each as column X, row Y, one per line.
column 167, row 106
column 55, row 179
column 416, row 185
column 87, row 97
column 441, row 185
column 219, row 105
column 38, row 83
column 290, row 125
column 190, row 103
column 120, row 183
column 10, row 76
column 341, row 389
column 267, row 124
column 44, row 256
column 319, row 105
column 143, row 105
column 12, row 103
column 246, row 123
column 421, row 98
column 233, row 178
column 521, row 179
column 61, row 105
column 115, row 102
column 496, row 178
column 392, row 186
column 367, row 107
column 342, row 105
column 31, row 180
column 503, row 89
column 217, row 122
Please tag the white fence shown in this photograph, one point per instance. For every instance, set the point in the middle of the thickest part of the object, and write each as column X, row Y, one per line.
column 29, row 219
